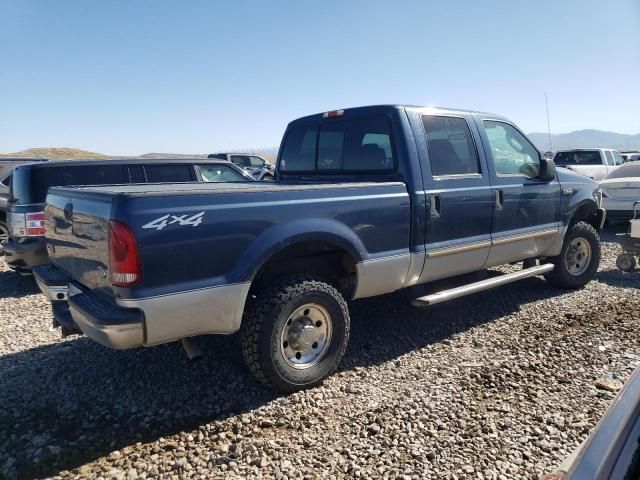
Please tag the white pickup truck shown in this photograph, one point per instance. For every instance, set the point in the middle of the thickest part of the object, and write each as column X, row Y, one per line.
column 595, row 163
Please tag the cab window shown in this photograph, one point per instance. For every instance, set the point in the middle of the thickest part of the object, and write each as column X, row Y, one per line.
column 450, row 145
column 513, row 154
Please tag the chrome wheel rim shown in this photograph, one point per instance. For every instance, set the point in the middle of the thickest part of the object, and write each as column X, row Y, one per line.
column 306, row 336
column 578, row 256
column 4, row 235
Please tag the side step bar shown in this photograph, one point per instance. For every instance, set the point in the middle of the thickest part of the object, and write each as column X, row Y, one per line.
column 457, row 292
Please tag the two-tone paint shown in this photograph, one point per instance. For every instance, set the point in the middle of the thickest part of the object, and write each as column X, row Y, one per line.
column 399, row 229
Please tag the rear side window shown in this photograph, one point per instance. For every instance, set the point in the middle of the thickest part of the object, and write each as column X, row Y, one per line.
column 618, row 158
column 168, row 173
column 339, row 146
column 136, row 174
column 31, row 185
column 450, row 145
column 608, row 157
column 578, row 157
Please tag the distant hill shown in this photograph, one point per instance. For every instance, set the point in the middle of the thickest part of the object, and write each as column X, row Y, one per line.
column 586, row 139
column 269, row 153
column 56, row 153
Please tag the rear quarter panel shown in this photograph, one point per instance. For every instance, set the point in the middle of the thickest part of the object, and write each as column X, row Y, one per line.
column 239, row 231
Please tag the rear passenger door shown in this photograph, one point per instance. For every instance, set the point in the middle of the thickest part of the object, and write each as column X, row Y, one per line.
column 458, row 193
column 526, row 209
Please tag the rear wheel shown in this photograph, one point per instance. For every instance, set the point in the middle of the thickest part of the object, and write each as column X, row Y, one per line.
column 295, row 332
column 579, row 259
column 626, row 262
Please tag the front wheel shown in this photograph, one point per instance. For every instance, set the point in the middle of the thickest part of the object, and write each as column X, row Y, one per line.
column 294, row 332
column 579, row 259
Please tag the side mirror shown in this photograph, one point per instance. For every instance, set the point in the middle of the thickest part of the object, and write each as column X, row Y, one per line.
column 547, row 169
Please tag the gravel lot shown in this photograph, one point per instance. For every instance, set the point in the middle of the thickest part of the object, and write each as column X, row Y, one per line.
column 497, row 385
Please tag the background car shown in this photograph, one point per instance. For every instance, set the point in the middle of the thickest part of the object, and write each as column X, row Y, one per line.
column 258, row 167
column 630, row 156
column 620, row 189
column 6, row 167
column 595, row 163
column 25, row 247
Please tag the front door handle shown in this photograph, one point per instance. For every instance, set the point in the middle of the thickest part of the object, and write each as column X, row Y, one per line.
column 499, row 199
column 434, row 210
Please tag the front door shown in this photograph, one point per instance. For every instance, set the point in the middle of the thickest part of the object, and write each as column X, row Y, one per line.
column 458, row 194
column 526, row 209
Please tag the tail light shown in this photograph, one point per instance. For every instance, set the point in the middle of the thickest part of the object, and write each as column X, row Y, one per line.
column 26, row 224
column 34, row 224
column 124, row 258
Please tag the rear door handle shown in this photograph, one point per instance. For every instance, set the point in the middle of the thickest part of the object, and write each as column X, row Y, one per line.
column 499, row 199
column 434, row 210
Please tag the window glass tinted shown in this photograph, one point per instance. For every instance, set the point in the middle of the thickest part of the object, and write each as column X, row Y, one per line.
column 331, row 145
column 344, row 145
column 578, row 157
column 450, row 145
column 136, row 174
column 512, row 152
column 625, row 171
column 6, row 181
column 30, row 185
column 168, row 173
column 608, row 157
column 219, row 156
column 299, row 150
column 220, row 173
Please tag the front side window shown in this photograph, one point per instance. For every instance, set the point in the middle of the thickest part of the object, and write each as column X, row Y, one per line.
column 339, row 145
column 618, row 158
column 242, row 161
column 513, row 154
column 220, row 173
column 450, row 146
column 256, row 161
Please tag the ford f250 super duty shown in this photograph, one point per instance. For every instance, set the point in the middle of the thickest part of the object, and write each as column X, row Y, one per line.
column 366, row 201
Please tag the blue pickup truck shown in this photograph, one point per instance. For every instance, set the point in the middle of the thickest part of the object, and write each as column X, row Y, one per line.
column 366, row 201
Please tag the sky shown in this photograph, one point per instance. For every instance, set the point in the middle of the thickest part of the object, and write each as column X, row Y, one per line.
column 131, row 76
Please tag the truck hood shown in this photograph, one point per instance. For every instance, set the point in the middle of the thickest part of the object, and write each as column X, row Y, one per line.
column 568, row 176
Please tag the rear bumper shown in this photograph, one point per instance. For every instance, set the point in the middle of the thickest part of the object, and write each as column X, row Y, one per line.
column 26, row 253
column 129, row 323
column 98, row 318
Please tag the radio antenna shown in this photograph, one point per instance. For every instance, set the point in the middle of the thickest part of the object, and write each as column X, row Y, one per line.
column 546, row 101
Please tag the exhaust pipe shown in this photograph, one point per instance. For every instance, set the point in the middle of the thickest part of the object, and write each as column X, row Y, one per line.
column 192, row 350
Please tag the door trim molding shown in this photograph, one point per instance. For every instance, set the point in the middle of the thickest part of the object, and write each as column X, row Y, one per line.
column 466, row 247
column 525, row 236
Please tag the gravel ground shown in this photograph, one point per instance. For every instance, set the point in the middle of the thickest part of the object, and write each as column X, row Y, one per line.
column 498, row 385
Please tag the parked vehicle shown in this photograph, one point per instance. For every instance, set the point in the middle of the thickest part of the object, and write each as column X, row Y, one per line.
column 630, row 156
column 630, row 242
column 595, row 163
column 25, row 247
column 257, row 166
column 6, row 166
column 620, row 189
column 365, row 203
column 612, row 451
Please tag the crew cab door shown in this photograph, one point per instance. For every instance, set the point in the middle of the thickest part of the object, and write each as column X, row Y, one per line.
column 458, row 197
column 526, row 209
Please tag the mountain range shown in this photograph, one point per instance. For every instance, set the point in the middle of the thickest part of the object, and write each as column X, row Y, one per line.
column 559, row 141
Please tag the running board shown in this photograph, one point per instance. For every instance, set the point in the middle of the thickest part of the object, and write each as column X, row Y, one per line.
column 457, row 292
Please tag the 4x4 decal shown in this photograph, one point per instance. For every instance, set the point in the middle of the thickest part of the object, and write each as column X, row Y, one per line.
column 181, row 220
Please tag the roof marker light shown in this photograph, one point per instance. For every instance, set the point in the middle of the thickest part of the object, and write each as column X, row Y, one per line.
column 333, row 113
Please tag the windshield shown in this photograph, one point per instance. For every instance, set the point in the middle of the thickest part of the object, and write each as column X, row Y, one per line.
column 220, row 173
column 625, row 171
column 578, row 157
column 30, row 185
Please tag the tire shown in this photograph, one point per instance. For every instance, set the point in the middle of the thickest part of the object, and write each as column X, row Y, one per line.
column 296, row 315
column 626, row 262
column 4, row 236
column 573, row 269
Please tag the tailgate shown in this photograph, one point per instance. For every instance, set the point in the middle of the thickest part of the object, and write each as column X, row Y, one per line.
column 77, row 236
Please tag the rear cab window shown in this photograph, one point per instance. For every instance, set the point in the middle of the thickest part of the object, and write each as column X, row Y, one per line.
column 577, row 157
column 342, row 145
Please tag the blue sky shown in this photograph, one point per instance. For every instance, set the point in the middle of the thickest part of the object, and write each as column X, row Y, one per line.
column 129, row 77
